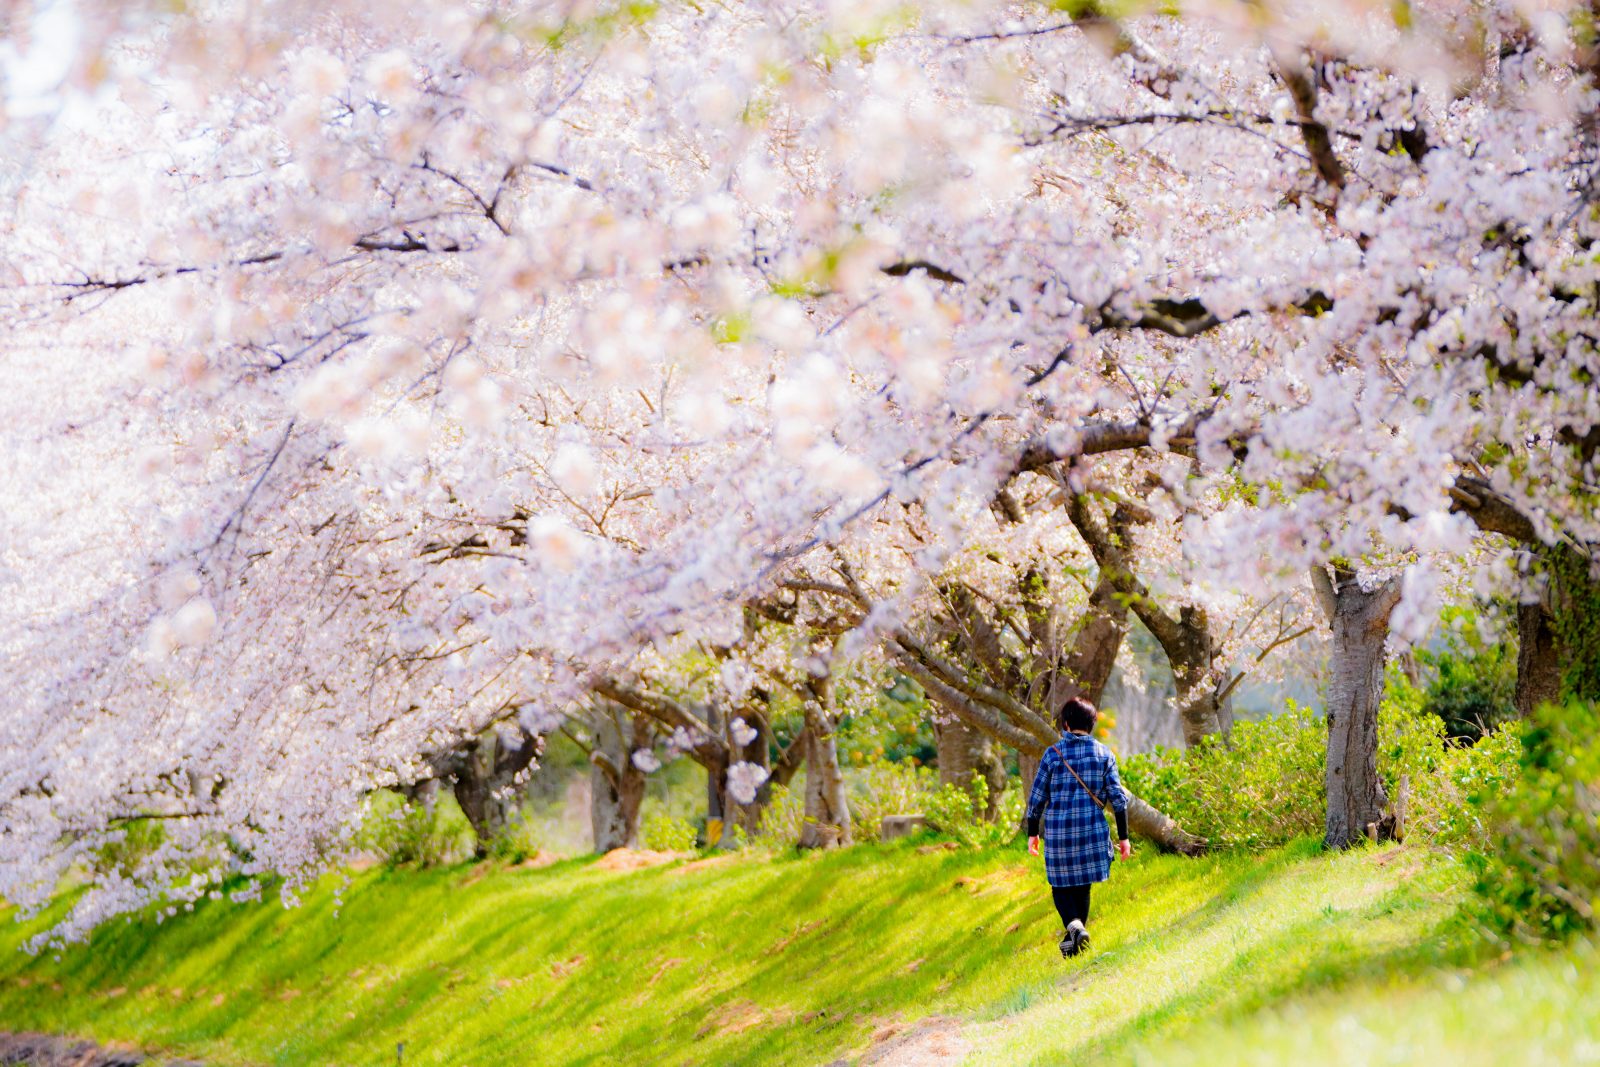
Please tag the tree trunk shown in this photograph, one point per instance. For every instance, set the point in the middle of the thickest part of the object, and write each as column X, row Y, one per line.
column 617, row 785
column 1027, row 769
column 1355, row 793
column 423, row 794
column 1538, row 659
column 748, row 816
column 1199, row 714
column 963, row 751
column 1161, row 830
column 718, row 803
column 1088, row 666
column 1191, row 650
column 490, row 777
column 614, row 807
column 827, row 821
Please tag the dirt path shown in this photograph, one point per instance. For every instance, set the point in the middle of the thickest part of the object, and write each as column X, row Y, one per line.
column 936, row 1041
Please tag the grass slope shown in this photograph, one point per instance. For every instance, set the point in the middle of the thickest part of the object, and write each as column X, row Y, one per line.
column 1290, row 956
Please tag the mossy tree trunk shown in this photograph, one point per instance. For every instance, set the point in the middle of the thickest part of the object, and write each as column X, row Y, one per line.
column 1538, row 659
column 1574, row 619
column 963, row 752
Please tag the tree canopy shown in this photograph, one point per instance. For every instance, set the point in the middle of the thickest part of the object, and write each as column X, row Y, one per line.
column 377, row 375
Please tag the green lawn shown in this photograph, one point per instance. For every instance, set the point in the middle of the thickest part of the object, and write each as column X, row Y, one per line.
column 1289, row 956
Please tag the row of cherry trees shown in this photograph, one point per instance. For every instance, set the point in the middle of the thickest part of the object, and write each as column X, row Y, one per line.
column 374, row 377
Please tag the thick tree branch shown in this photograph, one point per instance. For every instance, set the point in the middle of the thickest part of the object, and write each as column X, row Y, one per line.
column 1302, row 87
column 911, row 651
column 1491, row 512
column 1113, row 561
column 969, row 710
column 707, row 749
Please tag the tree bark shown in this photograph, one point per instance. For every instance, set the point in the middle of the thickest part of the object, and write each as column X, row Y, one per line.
column 827, row 821
column 1360, row 624
column 1187, row 639
column 1538, row 659
column 1191, row 650
column 1027, row 770
column 1087, row 667
column 488, row 774
column 1167, row 835
column 617, row 784
column 963, row 751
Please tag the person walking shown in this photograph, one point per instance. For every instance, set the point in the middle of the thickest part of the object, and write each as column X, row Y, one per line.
column 1075, row 785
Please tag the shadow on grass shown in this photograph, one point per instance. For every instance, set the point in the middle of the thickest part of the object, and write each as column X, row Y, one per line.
column 471, row 965
column 1316, row 953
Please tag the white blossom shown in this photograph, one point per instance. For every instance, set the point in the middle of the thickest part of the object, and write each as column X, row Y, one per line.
column 743, row 781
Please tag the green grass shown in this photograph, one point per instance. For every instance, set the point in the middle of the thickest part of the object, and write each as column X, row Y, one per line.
column 1287, row 956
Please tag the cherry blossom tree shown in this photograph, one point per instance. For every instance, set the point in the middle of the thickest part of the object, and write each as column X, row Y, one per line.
column 372, row 374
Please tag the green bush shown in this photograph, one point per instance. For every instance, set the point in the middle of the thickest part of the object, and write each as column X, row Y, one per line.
column 522, row 839
column 403, row 834
column 885, row 787
column 1446, row 778
column 666, row 833
column 1470, row 682
column 784, row 815
column 1260, row 788
column 127, row 848
column 958, row 813
column 1265, row 786
column 1538, row 877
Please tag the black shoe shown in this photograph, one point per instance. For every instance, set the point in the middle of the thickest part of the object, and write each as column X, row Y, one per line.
column 1075, row 940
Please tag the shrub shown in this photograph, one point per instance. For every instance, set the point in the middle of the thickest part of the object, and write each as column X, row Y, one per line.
column 958, row 813
column 1447, row 777
column 885, row 787
column 127, row 848
column 1538, row 877
column 414, row 835
column 783, row 816
column 1470, row 682
column 667, row 833
column 1265, row 785
column 522, row 838
column 1260, row 788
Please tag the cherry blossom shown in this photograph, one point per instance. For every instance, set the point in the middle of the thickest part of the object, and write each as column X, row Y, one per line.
column 374, row 375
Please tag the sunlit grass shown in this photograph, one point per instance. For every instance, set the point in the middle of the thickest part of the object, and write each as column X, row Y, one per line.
column 792, row 960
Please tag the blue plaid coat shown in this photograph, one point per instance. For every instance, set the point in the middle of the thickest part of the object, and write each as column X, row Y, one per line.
column 1077, row 841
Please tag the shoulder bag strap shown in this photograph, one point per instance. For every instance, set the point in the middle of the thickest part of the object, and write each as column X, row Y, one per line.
column 1097, row 801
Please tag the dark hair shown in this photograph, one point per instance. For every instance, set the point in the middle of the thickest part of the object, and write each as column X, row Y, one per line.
column 1077, row 714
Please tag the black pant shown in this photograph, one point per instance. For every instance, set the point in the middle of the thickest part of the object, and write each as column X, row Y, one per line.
column 1072, row 901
